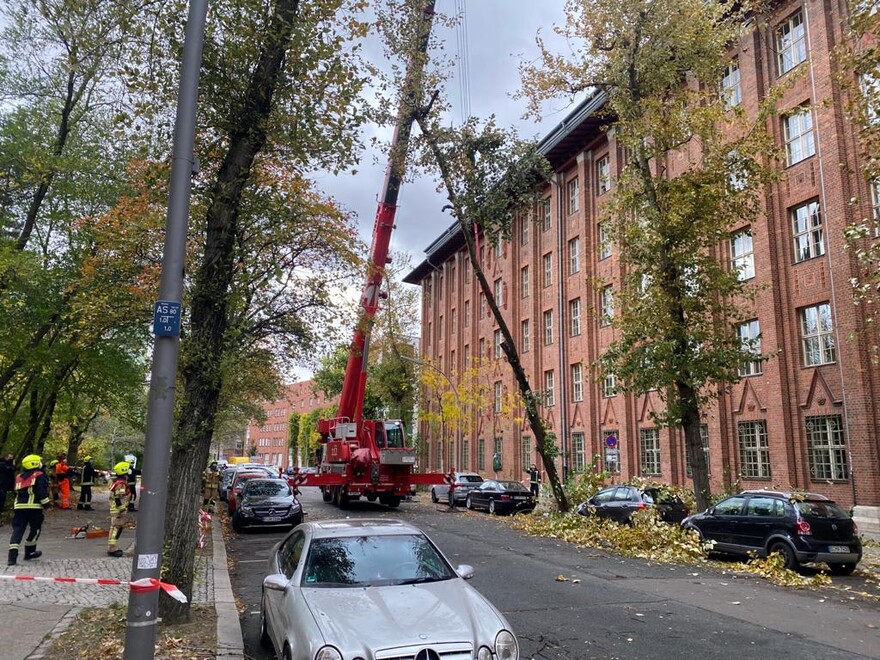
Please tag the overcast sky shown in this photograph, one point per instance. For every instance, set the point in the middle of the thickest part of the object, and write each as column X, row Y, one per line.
column 501, row 33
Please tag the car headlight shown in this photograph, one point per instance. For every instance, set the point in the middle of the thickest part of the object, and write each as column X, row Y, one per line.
column 328, row 653
column 506, row 647
column 247, row 510
column 484, row 653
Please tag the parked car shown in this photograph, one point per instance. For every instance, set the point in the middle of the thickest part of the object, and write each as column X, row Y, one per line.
column 238, row 482
column 619, row 503
column 227, row 475
column 374, row 588
column 500, row 497
column 464, row 483
column 803, row 527
column 267, row 503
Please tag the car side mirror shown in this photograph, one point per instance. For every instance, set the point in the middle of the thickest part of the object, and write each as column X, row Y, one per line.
column 276, row 582
column 711, row 510
column 465, row 571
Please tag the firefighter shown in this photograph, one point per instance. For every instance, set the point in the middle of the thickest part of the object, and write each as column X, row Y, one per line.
column 85, row 485
column 120, row 495
column 62, row 476
column 31, row 497
column 534, row 480
column 53, row 481
column 210, row 487
column 133, row 474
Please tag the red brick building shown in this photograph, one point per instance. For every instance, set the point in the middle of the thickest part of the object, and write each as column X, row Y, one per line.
column 270, row 440
column 807, row 418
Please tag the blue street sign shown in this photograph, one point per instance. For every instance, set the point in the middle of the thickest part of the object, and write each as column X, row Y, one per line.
column 166, row 318
column 611, row 441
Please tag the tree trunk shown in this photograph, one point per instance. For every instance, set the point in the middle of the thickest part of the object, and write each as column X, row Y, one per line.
column 205, row 348
column 690, row 423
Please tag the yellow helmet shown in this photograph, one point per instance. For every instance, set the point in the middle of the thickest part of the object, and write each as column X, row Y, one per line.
column 31, row 462
column 53, row 462
column 122, row 467
column 86, row 459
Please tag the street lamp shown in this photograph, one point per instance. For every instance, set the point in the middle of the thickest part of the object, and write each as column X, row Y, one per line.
column 458, row 449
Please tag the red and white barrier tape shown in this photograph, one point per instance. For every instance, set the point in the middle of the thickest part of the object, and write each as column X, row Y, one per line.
column 143, row 585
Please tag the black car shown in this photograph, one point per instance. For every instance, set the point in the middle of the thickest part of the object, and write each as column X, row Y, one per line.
column 619, row 503
column 500, row 497
column 802, row 527
column 267, row 503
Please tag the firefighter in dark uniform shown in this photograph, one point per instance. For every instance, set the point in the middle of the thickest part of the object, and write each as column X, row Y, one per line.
column 85, row 485
column 31, row 497
column 534, row 480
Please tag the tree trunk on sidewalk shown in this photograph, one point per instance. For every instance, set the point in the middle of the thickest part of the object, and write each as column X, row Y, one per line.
column 204, row 350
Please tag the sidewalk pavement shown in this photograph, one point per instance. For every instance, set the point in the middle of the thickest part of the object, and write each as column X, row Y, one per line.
column 35, row 612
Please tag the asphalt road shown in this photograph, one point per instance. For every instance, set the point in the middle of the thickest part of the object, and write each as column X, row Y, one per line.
column 607, row 607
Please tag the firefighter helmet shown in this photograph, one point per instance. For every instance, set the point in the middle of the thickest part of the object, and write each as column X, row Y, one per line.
column 31, row 462
column 86, row 459
column 122, row 467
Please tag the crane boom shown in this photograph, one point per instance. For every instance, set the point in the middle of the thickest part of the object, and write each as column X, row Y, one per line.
column 351, row 400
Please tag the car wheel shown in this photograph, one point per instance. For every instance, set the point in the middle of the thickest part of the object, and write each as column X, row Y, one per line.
column 297, row 521
column 265, row 638
column 236, row 524
column 326, row 495
column 434, row 497
column 492, row 507
column 842, row 569
column 343, row 499
column 393, row 502
column 286, row 654
column 791, row 562
column 468, row 503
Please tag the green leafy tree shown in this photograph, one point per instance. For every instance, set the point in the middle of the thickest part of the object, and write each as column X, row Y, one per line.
column 659, row 64
column 859, row 57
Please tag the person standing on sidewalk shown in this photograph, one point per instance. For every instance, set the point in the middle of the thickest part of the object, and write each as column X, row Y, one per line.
column 31, row 497
column 7, row 479
column 120, row 495
column 62, row 475
column 210, row 487
column 132, row 478
column 53, row 481
column 85, row 486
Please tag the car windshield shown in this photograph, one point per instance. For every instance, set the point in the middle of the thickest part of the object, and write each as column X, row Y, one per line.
column 470, row 478
column 365, row 561
column 266, row 488
column 513, row 485
column 823, row 509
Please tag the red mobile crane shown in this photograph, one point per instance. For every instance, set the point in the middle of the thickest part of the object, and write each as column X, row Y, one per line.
column 369, row 457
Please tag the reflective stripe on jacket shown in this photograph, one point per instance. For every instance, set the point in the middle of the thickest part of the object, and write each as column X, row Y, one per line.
column 31, row 490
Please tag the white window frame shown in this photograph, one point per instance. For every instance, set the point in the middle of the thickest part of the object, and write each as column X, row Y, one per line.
column 574, row 255
column 800, row 143
column 573, row 191
column 577, row 382
column 546, row 215
column 649, row 452
column 605, row 249
column 498, row 397
column 526, row 452
column 547, row 318
column 754, row 449
column 524, row 230
column 549, row 388
column 827, row 448
column 525, row 332
column 791, row 43
column 742, row 254
column 817, row 335
column 578, row 452
column 574, row 316
column 496, row 343
column 807, row 232
column 524, row 284
column 750, row 338
column 609, row 386
column 498, row 292
column 547, row 263
column 731, row 87
column 875, row 204
column 606, row 305
column 603, row 175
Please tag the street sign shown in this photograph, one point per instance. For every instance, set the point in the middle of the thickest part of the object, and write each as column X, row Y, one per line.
column 611, row 441
column 166, row 318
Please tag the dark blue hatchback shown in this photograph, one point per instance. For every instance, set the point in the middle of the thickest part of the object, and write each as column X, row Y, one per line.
column 802, row 527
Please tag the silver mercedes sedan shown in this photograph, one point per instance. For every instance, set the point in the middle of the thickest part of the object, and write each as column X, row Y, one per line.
column 375, row 589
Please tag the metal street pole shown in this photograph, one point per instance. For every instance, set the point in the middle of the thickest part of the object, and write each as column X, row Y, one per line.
column 459, row 449
column 143, row 605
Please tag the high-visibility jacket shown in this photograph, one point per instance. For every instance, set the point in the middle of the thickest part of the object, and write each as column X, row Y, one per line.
column 120, row 495
column 88, row 474
column 32, row 490
column 61, row 470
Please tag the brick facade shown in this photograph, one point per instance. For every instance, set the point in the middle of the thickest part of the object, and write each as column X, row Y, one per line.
column 270, row 439
column 761, row 432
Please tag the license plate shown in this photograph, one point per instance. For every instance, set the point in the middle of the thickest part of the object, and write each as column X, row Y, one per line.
column 838, row 548
column 520, row 497
column 272, row 518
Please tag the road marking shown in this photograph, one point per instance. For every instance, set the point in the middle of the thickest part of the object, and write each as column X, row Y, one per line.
column 249, row 561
